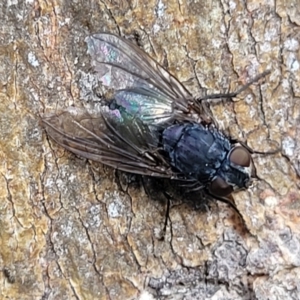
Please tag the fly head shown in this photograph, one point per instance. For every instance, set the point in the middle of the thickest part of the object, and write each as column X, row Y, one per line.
column 235, row 173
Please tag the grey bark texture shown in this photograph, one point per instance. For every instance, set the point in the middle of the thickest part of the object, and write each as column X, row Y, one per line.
column 73, row 229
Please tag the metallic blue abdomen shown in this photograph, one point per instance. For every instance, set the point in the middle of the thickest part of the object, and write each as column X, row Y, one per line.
column 196, row 150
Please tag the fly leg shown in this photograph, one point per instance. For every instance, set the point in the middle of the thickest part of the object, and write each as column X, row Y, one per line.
column 234, row 94
column 162, row 234
column 233, row 206
column 252, row 151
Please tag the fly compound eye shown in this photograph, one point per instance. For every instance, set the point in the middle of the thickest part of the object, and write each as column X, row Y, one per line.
column 240, row 156
column 219, row 187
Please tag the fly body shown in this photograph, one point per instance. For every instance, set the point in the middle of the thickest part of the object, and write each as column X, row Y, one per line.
column 206, row 155
column 149, row 129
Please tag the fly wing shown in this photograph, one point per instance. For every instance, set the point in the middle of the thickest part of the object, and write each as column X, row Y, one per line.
column 110, row 137
column 147, row 100
column 142, row 86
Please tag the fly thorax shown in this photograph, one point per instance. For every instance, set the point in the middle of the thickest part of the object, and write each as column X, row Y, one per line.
column 195, row 150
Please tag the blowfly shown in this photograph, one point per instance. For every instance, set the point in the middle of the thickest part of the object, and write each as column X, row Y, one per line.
column 153, row 126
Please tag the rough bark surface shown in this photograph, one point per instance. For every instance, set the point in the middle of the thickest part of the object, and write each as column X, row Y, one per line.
column 71, row 229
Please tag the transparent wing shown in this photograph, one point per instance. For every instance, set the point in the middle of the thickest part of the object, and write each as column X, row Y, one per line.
column 142, row 86
column 110, row 137
column 147, row 99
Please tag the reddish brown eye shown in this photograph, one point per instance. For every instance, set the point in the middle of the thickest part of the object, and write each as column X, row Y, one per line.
column 240, row 156
column 220, row 188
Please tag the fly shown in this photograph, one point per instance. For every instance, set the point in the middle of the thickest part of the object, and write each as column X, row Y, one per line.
column 150, row 127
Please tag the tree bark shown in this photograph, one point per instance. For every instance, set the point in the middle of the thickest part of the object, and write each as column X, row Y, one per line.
column 74, row 229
